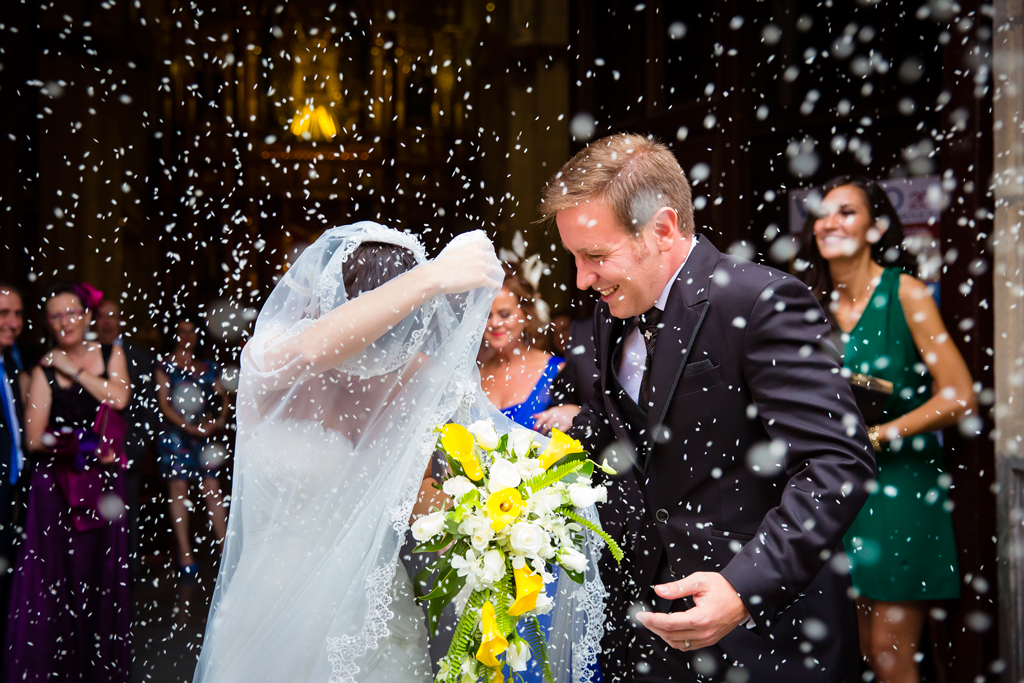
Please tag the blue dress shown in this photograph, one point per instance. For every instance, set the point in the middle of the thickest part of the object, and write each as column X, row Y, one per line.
column 522, row 414
column 539, row 399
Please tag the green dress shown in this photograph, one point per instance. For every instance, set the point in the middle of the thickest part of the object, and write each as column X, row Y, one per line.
column 901, row 546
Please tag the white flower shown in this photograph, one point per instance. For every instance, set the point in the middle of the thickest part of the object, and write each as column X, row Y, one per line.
column 528, row 539
column 582, row 495
column 544, row 502
column 428, row 526
column 481, row 570
column 493, row 567
column 483, row 432
column 544, row 604
column 481, row 536
column 479, row 530
column 572, row 559
column 503, row 475
column 520, row 442
column 518, row 654
column 529, row 468
column 458, row 486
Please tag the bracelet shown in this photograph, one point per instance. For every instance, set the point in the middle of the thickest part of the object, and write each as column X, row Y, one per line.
column 77, row 376
column 873, row 437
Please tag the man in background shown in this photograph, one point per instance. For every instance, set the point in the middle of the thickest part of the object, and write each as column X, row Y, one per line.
column 13, row 387
column 140, row 414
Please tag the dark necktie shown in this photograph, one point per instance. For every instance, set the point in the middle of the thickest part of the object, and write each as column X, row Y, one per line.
column 648, row 323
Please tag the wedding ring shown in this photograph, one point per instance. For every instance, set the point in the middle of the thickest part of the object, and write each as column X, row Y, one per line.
column 686, row 644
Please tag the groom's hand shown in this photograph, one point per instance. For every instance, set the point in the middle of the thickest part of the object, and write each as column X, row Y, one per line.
column 718, row 610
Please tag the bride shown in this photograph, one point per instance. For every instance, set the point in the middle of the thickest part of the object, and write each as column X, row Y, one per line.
column 362, row 349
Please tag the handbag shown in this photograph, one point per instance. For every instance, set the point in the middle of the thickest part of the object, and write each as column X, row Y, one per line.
column 111, row 429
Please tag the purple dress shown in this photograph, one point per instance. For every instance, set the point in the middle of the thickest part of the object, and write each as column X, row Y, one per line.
column 70, row 611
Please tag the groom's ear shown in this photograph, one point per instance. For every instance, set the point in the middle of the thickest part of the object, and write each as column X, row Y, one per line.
column 666, row 227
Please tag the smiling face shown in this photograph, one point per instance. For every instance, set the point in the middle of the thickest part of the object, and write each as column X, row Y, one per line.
column 628, row 272
column 846, row 230
column 507, row 321
column 68, row 319
column 11, row 319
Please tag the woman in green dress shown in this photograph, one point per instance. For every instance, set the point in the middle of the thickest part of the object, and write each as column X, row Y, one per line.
column 901, row 547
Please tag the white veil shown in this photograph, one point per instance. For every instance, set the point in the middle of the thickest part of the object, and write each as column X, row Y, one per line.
column 327, row 469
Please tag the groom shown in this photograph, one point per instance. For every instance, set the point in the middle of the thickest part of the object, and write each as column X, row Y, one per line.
column 749, row 448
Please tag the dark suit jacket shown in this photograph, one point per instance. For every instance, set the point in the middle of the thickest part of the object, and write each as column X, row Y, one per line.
column 7, row 490
column 759, row 463
column 142, row 412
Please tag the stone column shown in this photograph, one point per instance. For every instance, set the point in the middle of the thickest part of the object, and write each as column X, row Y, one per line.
column 1008, row 285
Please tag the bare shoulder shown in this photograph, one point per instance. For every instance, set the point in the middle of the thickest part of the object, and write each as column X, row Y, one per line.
column 915, row 295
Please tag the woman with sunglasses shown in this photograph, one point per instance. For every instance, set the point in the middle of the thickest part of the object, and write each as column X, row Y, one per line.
column 70, row 602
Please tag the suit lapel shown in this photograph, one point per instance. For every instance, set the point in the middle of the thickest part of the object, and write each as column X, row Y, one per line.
column 684, row 312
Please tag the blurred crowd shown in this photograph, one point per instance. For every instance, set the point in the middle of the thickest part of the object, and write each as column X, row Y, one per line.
column 79, row 428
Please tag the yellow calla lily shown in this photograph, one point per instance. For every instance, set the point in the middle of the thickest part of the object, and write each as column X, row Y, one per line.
column 458, row 443
column 529, row 584
column 561, row 444
column 497, row 676
column 493, row 642
column 504, row 507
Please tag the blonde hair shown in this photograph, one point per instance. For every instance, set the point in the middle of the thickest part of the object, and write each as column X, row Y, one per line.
column 635, row 175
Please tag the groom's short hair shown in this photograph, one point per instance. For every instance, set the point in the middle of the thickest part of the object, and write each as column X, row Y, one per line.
column 634, row 174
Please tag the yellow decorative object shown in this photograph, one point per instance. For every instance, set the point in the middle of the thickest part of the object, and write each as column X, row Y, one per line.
column 493, row 642
column 561, row 444
column 458, row 443
column 504, row 507
column 529, row 584
column 497, row 676
column 318, row 122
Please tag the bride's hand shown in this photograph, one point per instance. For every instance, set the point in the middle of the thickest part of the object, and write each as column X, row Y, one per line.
column 465, row 266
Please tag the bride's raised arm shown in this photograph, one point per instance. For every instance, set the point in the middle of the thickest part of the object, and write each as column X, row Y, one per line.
column 351, row 327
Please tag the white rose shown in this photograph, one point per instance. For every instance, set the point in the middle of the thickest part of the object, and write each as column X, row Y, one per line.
column 503, row 475
column 526, row 538
column 582, row 495
column 520, row 442
column 457, row 487
column 428, row 526
column 517, row 655
column 572, row 559
column 493, row 567
column 481, row 536
column 483, row 432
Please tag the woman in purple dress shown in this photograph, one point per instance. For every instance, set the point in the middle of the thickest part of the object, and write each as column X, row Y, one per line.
column 70, row 603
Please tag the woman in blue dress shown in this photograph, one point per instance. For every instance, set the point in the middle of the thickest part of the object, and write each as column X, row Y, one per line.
column 516, row 370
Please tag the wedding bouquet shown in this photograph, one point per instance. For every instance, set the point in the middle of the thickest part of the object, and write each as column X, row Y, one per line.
column 513, row 521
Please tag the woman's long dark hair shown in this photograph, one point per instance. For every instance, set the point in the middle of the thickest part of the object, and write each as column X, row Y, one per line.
column 887, row 251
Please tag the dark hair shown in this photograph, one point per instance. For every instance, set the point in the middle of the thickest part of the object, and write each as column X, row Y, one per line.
column 528, row 297
column 887, row 251
column 58, row 288
column 374, row 263
column 11, row 289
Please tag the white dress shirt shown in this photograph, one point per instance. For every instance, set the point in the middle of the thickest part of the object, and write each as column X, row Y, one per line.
column 634, row 350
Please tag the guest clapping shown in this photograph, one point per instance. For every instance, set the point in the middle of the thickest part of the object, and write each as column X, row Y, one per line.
column 194, row 408
column 901, row 546
column 70, row 605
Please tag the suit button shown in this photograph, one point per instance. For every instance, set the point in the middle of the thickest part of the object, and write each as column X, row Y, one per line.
column 661, row 515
